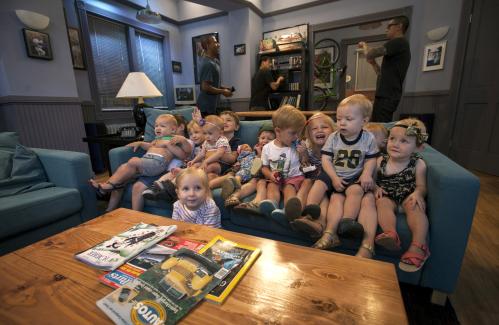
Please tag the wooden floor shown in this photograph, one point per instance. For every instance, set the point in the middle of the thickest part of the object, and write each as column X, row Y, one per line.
column 476, row 297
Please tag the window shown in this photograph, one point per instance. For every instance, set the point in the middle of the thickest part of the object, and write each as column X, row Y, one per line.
column 111, row 61
column 150, row 60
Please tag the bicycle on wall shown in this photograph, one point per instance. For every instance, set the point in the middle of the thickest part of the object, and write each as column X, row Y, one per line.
column 326, row 73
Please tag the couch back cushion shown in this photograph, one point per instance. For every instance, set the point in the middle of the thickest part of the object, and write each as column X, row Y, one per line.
column 8, row 143
column 153, row 113
column 248, row 131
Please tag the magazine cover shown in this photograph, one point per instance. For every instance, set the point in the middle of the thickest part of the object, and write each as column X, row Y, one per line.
column 234, row 257
column 112, row 253
column 164, row 293
column 147, row 259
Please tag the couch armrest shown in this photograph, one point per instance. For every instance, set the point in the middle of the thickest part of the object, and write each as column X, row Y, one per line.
column 451, row 200
column 72, row 170
column 121, row 155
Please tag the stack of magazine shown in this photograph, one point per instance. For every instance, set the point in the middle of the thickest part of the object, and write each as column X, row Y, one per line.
column 159, row 280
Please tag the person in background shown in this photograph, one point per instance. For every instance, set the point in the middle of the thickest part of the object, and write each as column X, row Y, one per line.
column 209, row 76
column 396, row 58
column 262, row 84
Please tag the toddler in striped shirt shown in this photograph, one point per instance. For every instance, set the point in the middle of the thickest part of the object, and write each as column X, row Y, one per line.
column 195, row 204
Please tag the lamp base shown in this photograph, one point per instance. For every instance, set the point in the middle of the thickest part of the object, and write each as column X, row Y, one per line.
column 140, row 117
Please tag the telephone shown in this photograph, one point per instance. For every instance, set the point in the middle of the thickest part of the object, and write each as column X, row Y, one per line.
column 129, row 132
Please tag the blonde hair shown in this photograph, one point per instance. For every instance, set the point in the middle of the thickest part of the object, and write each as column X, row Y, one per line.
column 361, row 101
column 288, row 116
column 415, row 127
column 328, row 119
column 196, row 172
column 377, row 128
column 191, row 125
column 214, row 120
column 168, row 118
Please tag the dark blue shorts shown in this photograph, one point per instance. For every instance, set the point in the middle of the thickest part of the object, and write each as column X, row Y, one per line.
column 324, row 177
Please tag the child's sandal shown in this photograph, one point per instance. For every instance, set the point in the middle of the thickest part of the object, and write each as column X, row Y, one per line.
column 367, row 247
column 388, row 240
column 228, row 187
column 328, row 240
column 231, row 201
column 414, row 261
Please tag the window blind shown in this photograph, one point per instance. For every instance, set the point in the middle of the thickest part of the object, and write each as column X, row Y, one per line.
column 150, row 60
column 111, row 61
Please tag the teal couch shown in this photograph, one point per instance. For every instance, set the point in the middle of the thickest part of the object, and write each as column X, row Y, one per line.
column 452, row 195
column 42, row 194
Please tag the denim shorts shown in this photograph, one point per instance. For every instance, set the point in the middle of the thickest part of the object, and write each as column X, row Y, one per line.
column 153, row 165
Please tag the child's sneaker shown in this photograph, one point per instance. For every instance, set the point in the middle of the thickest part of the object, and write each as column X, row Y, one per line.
column 256, row 166
column 267, row 207
column 293, row 209
column 154, row 192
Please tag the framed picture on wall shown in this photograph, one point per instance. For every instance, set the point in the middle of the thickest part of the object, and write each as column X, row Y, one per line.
column 239, row 49
column 76, row 50
column 198, row 52
column 434, row 55
column 177, row 67
column 37, row 44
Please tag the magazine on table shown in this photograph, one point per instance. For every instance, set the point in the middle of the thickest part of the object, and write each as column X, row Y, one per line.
column 147, row 259
column 113, row 252
column 164, row 293
column 234, row 257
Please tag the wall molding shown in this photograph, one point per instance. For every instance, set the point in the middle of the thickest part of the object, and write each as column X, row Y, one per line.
column 39, row 99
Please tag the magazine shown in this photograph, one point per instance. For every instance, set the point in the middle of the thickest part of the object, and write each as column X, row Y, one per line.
column 235, row 258
column 147, row 259
column 164, row 293
column 113, row 252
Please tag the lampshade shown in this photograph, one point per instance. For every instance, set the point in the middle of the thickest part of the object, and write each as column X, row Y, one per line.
column 437, row 33
column 32, row 19
column 148, row 16
column 138, row 85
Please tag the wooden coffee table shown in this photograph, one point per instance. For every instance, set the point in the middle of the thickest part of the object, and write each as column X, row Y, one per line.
column 288, row 284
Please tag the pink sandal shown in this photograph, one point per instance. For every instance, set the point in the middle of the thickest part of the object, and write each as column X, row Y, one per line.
column 413, row 261
column 388, row 240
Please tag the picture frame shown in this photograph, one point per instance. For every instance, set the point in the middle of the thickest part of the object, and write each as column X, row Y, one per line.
column 198, row 53
column 298, row 33
column 37, row 44
column 434, row 56
column 176, row 67
column 325, row 78
column 76, row 48
column 240, row 49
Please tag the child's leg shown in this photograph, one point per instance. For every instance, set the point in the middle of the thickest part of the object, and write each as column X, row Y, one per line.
column 386, row 214
column 304, row 190
column 334, row 213
column 166, row 177
column 213, row 170
column 217, row 181
column 418, row 223
column 124, row 173
column 292, row 204
column 261, row 191
column 317, row 192
column 114, row 200
column 368, row 218
column 274, row 193
column 137, row 198
column 354, row 194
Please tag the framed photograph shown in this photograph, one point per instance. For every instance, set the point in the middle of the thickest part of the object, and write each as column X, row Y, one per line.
column 177, row 67
column 298, row 33
column 37, row 44
column 76, row 50
column 434, row 55
column 239, row 49
column 198, row 53
column 324, row 57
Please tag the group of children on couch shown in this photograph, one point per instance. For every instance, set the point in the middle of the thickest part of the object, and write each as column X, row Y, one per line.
column 336, row 180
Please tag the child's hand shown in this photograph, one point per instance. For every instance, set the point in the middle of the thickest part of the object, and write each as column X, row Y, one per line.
column 338, row 184
column 258, row 149
column 416, row 199
column 176, row 139
column 366, row 182
column 301, row 148
column 175, row 171
column 379, row 192
column 190, row 163
column 273, row 179
column 135, row 145
column 196, row 115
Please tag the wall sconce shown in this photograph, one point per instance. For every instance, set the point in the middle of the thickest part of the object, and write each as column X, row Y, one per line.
column 138, row 85
column 32, row 19
column 437, row 34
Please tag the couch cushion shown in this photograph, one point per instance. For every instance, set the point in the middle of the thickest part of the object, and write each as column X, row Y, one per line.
column 248, row 131
column 153, row 113
column 31, row 210
column 8, row 139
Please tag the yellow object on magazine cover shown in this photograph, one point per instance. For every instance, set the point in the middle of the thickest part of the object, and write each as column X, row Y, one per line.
column 232, row 256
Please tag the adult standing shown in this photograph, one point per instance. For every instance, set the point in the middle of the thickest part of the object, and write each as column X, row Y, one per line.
column 209, row 76
column 262, row 84
column 396, row 58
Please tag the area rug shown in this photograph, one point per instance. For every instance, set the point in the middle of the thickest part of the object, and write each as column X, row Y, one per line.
column 420, row 310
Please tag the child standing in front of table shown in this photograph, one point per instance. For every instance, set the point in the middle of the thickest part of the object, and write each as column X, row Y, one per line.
column 195, row 204
column 401, row 179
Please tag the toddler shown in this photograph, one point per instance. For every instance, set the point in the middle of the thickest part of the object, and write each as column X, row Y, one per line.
column 380, row 134
column 281, row 164
column 348, row 162
column 164, row 187
column 401, row 179
column 195, row 203
column 154, row 162
column 214, row 147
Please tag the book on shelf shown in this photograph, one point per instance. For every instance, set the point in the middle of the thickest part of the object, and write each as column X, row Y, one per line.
column 111, row 253
column 234, row 257
column 164, row 293
column 147, row 259
column 298, row 98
